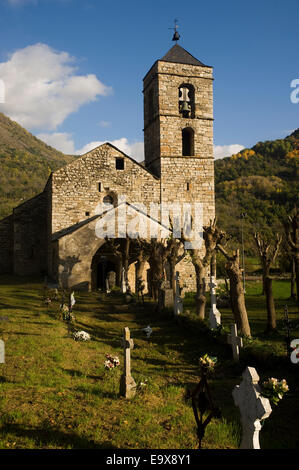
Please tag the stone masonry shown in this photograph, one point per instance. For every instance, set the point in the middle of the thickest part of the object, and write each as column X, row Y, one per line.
column 55, row 231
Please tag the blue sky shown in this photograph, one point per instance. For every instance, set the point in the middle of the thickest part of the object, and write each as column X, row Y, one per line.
column 73, row 69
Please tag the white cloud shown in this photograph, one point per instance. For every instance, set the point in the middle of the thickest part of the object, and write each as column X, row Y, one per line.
column 63, row 141
column 221, row 151
column 42, row 89
column 60, row 141
column 134, row 150
column 104, row 123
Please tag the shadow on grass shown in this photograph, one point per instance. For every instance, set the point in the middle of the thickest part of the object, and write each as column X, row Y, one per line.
column 44, row 438
column 77, row 373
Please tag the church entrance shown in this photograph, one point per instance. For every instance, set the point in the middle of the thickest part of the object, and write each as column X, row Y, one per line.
column 106, row 269
column 105, row 265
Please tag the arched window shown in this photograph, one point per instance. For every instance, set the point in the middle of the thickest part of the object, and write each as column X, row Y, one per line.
column 187, row 101
column 108, row 200
column 188, row 141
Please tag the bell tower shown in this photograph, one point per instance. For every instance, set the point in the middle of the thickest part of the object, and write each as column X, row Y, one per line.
column 178, row 128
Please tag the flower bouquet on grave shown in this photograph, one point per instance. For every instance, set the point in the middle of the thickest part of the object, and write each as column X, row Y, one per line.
column 207, row 364
column 111, row 362
column 274, row 390
column 81, row 336
column 67, row 314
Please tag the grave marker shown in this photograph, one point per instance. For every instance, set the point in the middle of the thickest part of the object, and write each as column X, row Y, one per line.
column 178, row 303
column 235, row 341
column 123, row 281
column 2, row 352
column 127, row 383
column 215, row 315
column 253, row 408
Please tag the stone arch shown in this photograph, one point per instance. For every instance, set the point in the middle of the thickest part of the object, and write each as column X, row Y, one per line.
column 103, row 264
column 186, row 93
column 187, row 141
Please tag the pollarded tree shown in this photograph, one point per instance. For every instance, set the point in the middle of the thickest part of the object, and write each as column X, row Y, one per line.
column 159, row 252
column 236, row 290
column 201, row 260
column 268, row 253
column 176, row 254
column 292, row 233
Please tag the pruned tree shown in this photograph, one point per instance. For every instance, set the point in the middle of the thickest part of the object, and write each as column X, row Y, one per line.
column 292, row 233
column 201, row 259
column 176, row 254
column 120, row 248
column 268, row 253
column 159, row 252
column 142, row 254
column 236, row 289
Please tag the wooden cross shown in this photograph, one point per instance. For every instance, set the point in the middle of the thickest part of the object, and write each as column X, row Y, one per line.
column 2, row 352
column 127, row 383
column 235, row 341
column 253, row 408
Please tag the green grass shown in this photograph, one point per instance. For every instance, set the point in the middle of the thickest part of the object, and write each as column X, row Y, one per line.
column 56, row 394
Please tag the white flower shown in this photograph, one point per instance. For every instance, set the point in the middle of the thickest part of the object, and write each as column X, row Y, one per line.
column 81, row 336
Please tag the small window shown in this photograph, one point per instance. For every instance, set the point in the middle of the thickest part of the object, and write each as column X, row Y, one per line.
column 99, row 187
column 188, row 186
column 120, row 163
column 188, row 142
column 87, row 214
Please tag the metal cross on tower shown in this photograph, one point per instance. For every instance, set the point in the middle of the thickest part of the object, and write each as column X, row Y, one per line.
column 176, row 35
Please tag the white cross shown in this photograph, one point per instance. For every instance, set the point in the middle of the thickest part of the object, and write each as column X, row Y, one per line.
column 235, row 341
column 253, row 408
column 2, row 352
column 215, row 315
column 123, row 281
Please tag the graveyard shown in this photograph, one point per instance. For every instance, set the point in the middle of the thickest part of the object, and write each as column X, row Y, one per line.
column 56, row 393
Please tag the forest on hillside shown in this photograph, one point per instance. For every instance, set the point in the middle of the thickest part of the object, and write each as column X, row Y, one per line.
column 262, row 183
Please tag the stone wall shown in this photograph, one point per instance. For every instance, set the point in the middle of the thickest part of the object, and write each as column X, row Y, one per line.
column 164, row 122
column 6, row 245
column 75, row 188
column 30, row 236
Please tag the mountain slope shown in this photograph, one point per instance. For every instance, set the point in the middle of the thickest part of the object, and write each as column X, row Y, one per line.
column 25, row 164
column 262, row 182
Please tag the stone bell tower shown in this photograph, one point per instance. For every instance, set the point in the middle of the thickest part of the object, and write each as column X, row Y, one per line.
column 178, row 128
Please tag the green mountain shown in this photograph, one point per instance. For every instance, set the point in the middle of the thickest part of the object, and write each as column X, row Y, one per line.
column 25, row 164
column 262, row 182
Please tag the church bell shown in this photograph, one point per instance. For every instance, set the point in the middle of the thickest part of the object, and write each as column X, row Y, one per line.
column 176, row 36
column 185, row 107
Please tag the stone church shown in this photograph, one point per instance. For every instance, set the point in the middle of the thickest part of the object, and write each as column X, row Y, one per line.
column 55, row 232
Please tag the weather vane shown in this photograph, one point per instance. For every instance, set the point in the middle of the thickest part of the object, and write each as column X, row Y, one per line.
column 176, row 35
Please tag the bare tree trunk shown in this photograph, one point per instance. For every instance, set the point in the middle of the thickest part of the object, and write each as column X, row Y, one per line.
column 212, row 237
column 292, row 233
column 293, row 279
column 200, row 291
column 271, row 314
column 297, row 275
column 238, row 298
column 268, row 254
column 264, row 284
column 237, row 292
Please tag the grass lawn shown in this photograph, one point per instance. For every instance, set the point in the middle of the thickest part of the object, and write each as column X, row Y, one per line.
column 56, row 394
